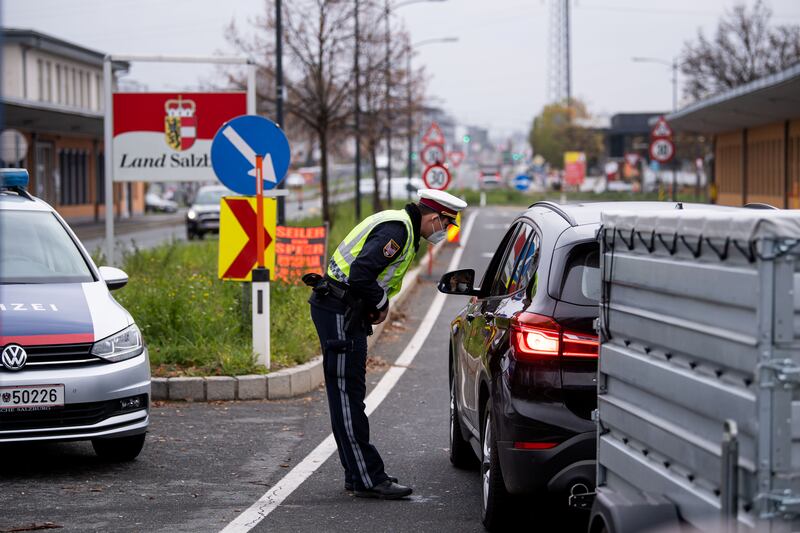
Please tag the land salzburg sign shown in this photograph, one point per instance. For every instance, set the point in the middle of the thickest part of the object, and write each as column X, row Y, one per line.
column 167, row 136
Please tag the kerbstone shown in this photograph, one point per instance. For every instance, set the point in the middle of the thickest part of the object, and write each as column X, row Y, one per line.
column 317, row 373
column 159, row 389
column 220, row 388
column 188, row 389
column 252, row 387
column 279, row 385
column 300, row 380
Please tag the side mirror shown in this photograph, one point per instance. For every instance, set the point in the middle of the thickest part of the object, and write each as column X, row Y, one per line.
column 114, row 277
column 459, row 282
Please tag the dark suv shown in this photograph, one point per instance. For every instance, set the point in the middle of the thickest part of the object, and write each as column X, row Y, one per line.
column 523, row 357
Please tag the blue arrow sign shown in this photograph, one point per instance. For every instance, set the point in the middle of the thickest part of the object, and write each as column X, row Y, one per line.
column 234, row 150
column 522, row 182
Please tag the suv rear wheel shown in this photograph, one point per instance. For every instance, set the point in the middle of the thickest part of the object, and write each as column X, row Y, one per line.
column 120, row 449
column 496, row 502
column 461, row 453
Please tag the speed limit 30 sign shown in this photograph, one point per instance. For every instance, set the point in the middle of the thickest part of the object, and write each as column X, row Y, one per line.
column 432, row 154
column 436, row 177
column 662, row 150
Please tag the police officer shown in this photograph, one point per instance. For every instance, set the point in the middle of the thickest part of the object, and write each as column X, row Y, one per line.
column 366, row 270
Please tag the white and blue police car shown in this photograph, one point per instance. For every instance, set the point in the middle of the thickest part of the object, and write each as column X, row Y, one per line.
column 73, row 365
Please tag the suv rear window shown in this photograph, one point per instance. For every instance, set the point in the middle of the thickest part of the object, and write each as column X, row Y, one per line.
column 581, row 284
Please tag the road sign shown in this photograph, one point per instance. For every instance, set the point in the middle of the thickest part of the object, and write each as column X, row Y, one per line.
column 661, row 130
column 456, row 157
column 432, row 154
column 13, row 147
column 662, row 150
column 238, row 239
column 434, row 135
column 436, row 177
column 234, row 150
column 522, row 182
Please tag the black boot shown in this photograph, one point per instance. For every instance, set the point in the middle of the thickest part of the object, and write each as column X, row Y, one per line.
column 388, row 490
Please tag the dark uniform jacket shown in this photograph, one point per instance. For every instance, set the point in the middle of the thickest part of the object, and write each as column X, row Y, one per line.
column 371, row 261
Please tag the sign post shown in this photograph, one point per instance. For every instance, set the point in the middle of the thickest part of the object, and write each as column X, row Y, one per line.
column 244, row 148
column 662, row 149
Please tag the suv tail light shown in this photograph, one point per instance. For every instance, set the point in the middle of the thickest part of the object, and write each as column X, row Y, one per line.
column 534, row 337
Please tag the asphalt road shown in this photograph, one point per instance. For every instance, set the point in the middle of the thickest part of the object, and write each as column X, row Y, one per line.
column 204, row 464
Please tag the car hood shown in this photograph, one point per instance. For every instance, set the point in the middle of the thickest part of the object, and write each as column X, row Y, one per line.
column 59, row 313
column 206, row 208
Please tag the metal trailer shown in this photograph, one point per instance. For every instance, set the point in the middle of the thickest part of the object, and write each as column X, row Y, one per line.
column 699, row 375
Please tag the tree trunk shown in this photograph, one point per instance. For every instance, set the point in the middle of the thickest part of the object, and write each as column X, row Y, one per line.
column 323, row 149
column 376, row 193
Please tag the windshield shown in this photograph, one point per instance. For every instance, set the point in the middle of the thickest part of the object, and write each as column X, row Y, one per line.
column 35, row 248
column 211, row 196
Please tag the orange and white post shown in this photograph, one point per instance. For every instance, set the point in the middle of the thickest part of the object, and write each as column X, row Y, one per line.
column 260, row 282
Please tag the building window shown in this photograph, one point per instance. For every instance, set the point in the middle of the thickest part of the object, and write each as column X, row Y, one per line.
column 40, row 72
column 48, row 80
column 58, row 85
column 74, row 88
column 74, row 177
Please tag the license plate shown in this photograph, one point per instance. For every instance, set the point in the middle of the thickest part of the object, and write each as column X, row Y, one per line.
column 31, row 397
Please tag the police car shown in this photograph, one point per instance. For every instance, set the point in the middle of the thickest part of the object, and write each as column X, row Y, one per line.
column 73, row 365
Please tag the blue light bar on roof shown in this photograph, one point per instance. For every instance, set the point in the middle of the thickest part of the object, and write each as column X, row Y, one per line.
column 14, row 177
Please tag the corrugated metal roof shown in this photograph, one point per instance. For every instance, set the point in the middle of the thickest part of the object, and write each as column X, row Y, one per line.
column 774, row 98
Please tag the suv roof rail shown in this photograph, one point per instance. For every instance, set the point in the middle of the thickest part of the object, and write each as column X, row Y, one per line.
column 556, row 208
column 758, row 205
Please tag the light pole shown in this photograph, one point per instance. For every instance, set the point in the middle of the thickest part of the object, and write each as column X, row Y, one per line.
column 279, row 94
column 357, row 114
column 389, row 6
column 410, row 126
column 673, row 65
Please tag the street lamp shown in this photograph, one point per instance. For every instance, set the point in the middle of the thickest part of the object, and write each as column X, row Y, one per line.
column 410, row 126
column 389, row 6
column 673, row 65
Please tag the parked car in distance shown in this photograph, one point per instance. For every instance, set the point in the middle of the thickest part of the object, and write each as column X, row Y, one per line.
column 153, row 203
column 203, row 215
column 73, row 365
column 490, row 177
column 523, row 358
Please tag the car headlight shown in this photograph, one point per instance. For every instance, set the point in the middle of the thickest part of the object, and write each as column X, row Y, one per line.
column 192, row 214
column 120, row 346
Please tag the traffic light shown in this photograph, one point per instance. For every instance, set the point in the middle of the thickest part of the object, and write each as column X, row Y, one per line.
column 414, row 156
column 516, row 156
column 467, row 139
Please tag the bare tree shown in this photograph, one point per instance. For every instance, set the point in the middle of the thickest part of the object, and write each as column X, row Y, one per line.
column 318, row 73
column 745, row 47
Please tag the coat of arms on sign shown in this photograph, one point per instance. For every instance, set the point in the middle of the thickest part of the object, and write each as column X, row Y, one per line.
column 180, row 123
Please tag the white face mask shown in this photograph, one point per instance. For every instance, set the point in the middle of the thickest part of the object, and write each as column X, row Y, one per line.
column 437, row 236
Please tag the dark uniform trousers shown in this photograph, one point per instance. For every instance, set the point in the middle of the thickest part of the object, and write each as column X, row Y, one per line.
column 344, row 360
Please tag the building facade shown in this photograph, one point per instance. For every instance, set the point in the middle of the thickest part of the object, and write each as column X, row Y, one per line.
column 756, row 135
column 52, row 93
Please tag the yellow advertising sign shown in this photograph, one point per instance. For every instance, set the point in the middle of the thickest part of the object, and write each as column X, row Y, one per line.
column 237, row 236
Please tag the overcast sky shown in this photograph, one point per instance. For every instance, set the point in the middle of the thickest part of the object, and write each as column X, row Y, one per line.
column 495, row 76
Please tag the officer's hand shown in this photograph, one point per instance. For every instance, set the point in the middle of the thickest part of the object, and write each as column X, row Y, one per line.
column 382, row 316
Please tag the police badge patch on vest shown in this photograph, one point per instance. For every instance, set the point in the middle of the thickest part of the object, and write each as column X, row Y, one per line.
column 391, row 248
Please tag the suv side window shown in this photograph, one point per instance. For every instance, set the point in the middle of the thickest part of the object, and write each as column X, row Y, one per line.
column 506, row 280
column 528, row 263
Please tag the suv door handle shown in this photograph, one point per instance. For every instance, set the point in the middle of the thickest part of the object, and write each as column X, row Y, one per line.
column 470, row 317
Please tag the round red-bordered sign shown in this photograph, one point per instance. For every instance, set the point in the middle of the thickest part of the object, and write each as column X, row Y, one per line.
column 436, row 177
column 433, row 154
column 662, row 150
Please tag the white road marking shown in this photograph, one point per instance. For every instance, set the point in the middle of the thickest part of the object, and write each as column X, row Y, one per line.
column 249, row 154
column 271, row 499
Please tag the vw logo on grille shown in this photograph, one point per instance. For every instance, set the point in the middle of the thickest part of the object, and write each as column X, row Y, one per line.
column 14, row 357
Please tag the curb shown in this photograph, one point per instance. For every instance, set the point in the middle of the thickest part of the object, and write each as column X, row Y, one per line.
column 288, row 383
